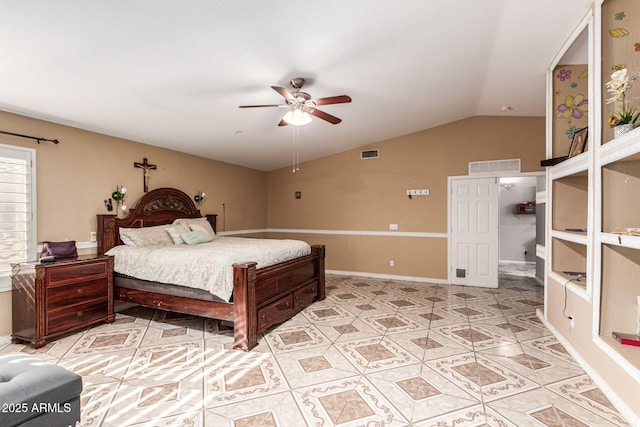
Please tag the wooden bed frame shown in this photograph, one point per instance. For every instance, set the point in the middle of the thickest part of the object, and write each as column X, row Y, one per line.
column 261, row 297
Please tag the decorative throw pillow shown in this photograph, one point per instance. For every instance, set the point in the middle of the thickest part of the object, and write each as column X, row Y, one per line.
column 195, row 237
column 175, row 232
column 146, row 236
column 199, row 224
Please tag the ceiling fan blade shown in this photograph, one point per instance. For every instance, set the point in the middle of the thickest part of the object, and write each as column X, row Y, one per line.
column 325, row 116
column 257, row 106
column 283, row 123
column 285, row 93
column 340, row 99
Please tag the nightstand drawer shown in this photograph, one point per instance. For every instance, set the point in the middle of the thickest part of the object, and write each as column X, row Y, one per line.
column 75, row 293
column 76, row 316
column 72, row 272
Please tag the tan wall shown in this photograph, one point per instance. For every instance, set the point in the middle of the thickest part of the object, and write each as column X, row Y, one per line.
column 342, row 192
column 75, row 176
column 339, row 192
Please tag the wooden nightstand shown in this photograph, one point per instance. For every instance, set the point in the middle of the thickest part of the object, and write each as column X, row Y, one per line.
column 49, row 300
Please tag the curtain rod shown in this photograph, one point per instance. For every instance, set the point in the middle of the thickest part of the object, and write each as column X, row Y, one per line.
column 55, row 141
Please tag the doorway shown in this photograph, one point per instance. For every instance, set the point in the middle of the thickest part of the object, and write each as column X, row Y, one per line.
column 517, row 219
column 513, row 220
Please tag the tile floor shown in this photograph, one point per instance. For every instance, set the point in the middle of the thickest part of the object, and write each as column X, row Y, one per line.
column 374, row 353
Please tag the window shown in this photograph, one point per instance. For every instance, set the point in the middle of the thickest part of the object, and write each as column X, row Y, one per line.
column 17, row 209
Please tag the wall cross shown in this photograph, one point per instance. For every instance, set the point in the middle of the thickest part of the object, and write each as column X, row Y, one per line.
column 147, row 168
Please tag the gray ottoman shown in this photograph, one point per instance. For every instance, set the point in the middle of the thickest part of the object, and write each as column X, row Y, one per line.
column 35, row 393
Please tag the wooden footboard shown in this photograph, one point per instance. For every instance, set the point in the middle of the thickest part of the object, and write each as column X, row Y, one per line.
column 261, row 297
column 271, row 295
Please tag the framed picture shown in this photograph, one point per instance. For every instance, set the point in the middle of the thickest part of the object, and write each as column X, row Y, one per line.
column 579, row 142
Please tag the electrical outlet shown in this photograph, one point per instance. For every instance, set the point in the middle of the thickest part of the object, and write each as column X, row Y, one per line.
column 393, row 227
column 392, row 263
column 93, row 236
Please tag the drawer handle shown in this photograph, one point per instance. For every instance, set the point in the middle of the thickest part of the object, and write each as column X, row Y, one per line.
column 263, row 317
column 287, row 304
column 79, row 314
column 313, row 290
column 297, row 297
column 80, row 291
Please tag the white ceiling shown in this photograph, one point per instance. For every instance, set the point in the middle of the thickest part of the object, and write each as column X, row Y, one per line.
column 173, row 73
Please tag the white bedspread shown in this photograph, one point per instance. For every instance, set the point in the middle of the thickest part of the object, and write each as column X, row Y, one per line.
column 206, row 266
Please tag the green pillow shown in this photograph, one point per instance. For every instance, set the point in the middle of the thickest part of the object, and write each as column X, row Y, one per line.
column 195, row 237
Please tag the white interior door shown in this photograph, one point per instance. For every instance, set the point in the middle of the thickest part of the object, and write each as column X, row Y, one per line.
column 474, row 238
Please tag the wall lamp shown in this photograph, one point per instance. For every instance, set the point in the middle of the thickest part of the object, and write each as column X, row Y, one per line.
column 199, row 198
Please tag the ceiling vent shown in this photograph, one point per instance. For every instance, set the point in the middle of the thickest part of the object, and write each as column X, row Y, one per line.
column 493, row 167
column 369, row 154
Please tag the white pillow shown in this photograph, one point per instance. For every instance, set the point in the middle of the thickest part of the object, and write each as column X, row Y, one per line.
column 197, row 224
column 145, row 236
column 175, row 231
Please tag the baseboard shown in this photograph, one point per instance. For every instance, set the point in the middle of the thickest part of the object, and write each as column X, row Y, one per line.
column 5, row 340
column 613, row 397
column 517, row 262
column 389, row 276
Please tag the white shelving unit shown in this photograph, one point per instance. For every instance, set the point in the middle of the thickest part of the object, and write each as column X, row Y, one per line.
column 598, row 190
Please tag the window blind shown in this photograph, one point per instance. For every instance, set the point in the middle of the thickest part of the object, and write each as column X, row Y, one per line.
column 17, row 208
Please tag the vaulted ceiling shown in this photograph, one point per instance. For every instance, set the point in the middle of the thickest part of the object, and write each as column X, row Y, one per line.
column 172, row 74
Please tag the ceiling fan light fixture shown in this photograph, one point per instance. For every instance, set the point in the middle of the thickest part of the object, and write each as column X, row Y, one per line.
column 297, row 117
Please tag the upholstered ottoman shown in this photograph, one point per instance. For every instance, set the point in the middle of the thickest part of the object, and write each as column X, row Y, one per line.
column 36, row 393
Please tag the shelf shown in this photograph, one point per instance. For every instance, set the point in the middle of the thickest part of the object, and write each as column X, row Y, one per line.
column 541, row 251
column 579, row 238
column 577, row 165
column 577, row 287
column 623, row 148
column 622, row 240
column 626, row 356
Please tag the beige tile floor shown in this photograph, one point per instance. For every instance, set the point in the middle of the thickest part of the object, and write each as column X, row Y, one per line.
column 374, row 353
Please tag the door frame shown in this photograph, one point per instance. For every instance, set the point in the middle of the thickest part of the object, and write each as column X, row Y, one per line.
column 496, row 175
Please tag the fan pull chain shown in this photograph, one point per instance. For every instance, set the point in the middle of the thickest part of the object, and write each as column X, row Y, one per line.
column 296, row 151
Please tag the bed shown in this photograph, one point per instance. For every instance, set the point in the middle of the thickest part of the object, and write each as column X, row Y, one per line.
column 261, row 297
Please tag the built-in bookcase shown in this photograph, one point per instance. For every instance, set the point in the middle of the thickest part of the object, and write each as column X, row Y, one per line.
column 594, row 195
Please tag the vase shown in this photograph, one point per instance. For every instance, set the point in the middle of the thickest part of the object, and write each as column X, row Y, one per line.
column 622, row 129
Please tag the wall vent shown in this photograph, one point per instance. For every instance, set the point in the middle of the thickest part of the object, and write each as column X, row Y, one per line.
column 494, row 166
column 369, row 154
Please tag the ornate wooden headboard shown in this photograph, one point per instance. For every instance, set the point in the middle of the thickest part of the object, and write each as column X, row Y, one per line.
column 157, row 207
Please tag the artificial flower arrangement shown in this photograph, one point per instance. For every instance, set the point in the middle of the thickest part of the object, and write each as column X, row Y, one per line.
column 617, row 87
column 118, row 196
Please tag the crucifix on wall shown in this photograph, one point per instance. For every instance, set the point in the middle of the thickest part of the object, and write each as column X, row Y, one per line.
column 147, row 174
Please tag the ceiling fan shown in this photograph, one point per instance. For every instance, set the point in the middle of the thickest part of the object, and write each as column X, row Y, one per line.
column 302, row 106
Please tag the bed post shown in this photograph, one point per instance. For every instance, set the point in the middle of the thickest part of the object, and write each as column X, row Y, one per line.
column 212, row 220
column 106, row 238
column 319, row 266
column 245, row 322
